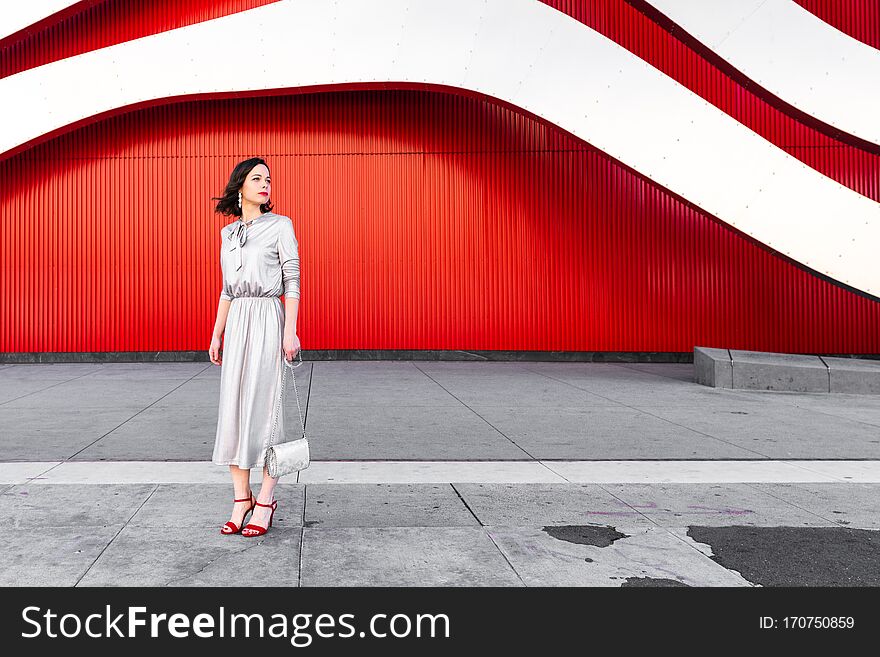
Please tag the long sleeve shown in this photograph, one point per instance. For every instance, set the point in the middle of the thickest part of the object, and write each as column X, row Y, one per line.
column 224, row 294
column 288, row 253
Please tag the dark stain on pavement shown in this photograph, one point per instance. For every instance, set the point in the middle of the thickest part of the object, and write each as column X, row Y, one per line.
column 796, row 556
column 652, row 581
column 600, row 536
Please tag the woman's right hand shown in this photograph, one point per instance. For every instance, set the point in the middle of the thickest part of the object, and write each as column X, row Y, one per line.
column 214, row 351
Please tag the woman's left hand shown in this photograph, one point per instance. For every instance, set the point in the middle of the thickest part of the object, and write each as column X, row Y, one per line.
column 290, row 345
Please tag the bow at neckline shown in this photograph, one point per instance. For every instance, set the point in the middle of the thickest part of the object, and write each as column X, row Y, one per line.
column 238, row 233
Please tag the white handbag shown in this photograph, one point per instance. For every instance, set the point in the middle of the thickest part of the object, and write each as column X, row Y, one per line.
column 291, row 456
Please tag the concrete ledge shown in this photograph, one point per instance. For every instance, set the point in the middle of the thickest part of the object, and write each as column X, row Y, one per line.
column 760, row 370
column 853, row 375
column 757, row 370
column 712, row 367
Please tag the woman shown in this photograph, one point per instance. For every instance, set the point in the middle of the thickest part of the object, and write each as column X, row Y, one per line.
column 259, row 258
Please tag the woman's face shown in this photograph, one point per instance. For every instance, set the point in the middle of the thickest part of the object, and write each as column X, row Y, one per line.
column 257, row 186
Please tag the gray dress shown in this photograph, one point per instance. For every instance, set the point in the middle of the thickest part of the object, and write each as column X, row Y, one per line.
column 260, row 262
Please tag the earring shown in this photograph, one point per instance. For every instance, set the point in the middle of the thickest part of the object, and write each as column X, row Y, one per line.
column 239, row 200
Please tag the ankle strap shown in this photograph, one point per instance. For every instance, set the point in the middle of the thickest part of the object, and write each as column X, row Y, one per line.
column 245, row 499
column 274, row 502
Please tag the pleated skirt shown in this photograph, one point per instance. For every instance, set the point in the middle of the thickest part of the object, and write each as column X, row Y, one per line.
column 250, row 381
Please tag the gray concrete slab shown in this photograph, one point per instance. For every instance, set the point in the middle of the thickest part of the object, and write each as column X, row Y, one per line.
column 191, row 391
column 52, row 372
column 688, row 399
column 712, row 505
column 403, row 556
column 713, row 367
column 19, row 381
column 179, row 371
column 544, row 560
column 771, row 371
column 508, row 384
column 605, row 433
column 35, row 506
column 840, row 470
column 591, row 376
column 647, row 396
column 33, row 434
column 14, row 389
column 195, row 556
column 52, row 556
column 404, row 432
column 537, row 505
column 213, row 372
column 386, row 505
column 679, row 371
column 23, row 472
column 859, row 408
column 678, row 418
column 167, row 430
column 781, row 431
column 210, row 505
column 853, row 375
column 550, row 535
column 425, row 533
column 174, row 427
column 851, row 505
column 633, row 386
column 273, row 561
column 89, row 392
column 364, row 383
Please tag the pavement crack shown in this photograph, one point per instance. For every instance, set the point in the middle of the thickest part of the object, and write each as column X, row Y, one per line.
column 54, row 385
column 498, row 547
column 110, row 542
column 451, row 394
column 466, row 505
column 655, row 416
column 224, row 555
column 790, row 503
column 302, row 536
column 145, row 408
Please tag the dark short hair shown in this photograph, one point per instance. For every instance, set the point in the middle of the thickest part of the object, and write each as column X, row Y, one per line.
column 228, row 203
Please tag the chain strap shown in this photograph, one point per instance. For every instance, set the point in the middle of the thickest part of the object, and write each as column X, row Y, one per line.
column 287, row 365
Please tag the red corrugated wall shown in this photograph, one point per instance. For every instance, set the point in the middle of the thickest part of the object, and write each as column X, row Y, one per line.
column 426, row 220
column 858, row 18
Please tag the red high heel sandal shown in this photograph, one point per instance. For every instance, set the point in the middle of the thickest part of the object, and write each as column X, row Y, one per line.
column 229, row 527
column 261, row 530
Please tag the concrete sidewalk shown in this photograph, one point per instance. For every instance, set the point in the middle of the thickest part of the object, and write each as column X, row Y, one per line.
column 444, row 473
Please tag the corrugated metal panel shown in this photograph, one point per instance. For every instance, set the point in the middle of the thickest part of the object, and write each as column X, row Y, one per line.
column 858, row 18
column 426, row 221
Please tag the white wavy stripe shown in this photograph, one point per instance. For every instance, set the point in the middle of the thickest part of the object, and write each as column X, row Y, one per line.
column 520, row 51
column 19, row 14
column 793, row 54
